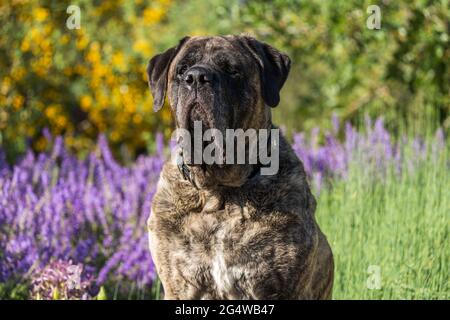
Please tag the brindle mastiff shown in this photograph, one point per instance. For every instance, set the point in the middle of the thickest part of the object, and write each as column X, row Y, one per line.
column 226, row 231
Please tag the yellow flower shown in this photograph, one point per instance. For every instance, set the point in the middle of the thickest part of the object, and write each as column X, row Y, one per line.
column 3, row 119
column 93, row 55
column 35, row 34
column 86, row 102
column 40, row 14
column 153, row 15
column 25, row 46
column 40, row 66
column 45, row 45
column 143, row 47
column 130, row 107
column 51, row 111
column 48, row 29
column 6, row 85
column 101, row 100
column 137, row 118
column 18, row 102
column 69, row 140
column 115, row 136
column 95, row 116
column 80, row 69
column 82, row 42
column 94, row 83
column 61, row 121
column 64, row 39
column 118, row 60
column 18, row 73
column 99, row 70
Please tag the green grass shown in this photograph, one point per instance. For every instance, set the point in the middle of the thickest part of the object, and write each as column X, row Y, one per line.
column 400, row 224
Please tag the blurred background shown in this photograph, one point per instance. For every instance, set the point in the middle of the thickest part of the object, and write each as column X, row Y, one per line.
column 82, row 82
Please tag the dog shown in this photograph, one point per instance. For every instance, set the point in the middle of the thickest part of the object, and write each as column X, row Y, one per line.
column 227, row 231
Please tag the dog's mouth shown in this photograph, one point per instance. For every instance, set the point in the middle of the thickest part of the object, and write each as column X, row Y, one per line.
column 196, row 118
column 196, row 121
column 206, row 132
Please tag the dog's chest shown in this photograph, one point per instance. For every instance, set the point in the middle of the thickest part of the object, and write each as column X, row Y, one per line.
column 212, row 245
column 224, row 271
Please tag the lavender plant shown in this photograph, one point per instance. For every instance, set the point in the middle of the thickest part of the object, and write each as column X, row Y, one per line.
column 92, row 211
column 55, row 207
column 374, row 149
column 62, row 280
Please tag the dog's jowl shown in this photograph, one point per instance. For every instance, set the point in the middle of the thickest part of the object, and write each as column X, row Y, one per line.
column 232, row 230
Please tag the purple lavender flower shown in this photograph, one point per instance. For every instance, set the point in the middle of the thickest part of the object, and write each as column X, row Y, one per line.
column 62, row 280
column 375, row 150
column 56, row 206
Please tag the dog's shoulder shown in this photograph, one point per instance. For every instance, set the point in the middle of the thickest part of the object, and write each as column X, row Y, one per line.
column 286, row 191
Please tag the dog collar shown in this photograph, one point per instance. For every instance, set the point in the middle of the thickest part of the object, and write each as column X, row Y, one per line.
column 187, row 174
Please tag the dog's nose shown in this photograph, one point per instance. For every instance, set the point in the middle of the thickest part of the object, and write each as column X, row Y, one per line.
column 198, row 75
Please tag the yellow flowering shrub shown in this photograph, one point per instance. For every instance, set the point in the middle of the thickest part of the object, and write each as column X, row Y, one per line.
column 78, row 82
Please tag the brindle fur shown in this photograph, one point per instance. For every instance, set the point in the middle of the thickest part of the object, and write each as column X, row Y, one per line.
column 234, row 237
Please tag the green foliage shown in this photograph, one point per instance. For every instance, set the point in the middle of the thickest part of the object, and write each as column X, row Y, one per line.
column 15, row 289
column 399, row 224
column 156, row 289
column 102, row 294
column 340, row 65
column 82, row 82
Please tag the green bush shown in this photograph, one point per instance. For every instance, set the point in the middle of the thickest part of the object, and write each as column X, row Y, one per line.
column 82, row 82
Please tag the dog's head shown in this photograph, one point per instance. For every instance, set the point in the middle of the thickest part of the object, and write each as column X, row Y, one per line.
column 227, row 82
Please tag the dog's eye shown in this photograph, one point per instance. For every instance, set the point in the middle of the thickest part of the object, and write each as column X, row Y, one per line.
column 181, row 69
column 232, row 71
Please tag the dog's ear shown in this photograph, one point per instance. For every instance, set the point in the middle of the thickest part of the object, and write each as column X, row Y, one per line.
column 157, row 72
column 274, row 65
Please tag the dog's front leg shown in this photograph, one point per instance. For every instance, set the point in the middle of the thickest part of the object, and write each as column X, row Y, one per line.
column 157, row 257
